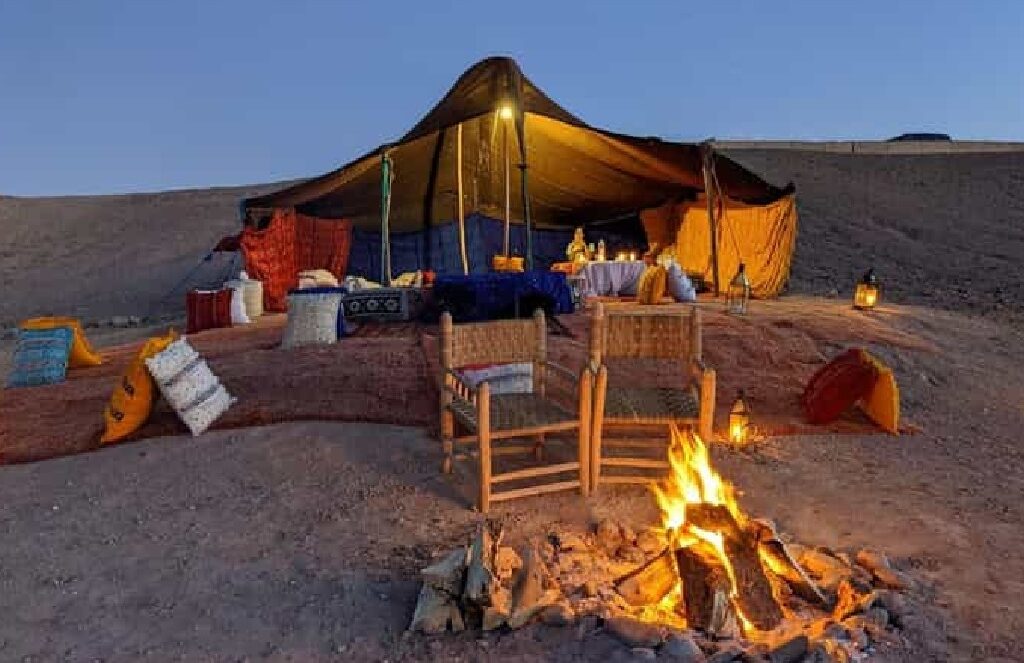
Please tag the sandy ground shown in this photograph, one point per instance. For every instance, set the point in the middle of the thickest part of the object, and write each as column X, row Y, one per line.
column 302, row 541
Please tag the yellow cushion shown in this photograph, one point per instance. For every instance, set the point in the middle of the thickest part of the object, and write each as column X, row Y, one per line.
column 132, row 400
column 652, row 285
column 882, row 404
column 82, row 354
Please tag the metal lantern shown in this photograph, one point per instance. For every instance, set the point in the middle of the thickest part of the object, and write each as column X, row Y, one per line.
column 738, row 293
column 739, row 421
column 868, row 291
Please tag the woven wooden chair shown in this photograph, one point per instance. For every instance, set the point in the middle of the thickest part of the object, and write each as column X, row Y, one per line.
column 560, row 402
column 633, row 334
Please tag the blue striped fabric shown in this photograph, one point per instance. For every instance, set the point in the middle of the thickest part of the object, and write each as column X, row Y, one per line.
column 40, row 357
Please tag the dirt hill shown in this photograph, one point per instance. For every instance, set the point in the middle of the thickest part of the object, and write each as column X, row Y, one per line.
column 941, row 230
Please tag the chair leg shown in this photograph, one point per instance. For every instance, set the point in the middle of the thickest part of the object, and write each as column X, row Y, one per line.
column 538, row 447
column 484, row 439
column 596, row 424
column 447, row 439
column 706, row 421
column 484, row 501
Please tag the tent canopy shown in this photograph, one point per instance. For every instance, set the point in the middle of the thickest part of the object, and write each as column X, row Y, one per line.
column 577, row 173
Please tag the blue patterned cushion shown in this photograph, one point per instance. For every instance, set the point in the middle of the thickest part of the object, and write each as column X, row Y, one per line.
column 40, row 357
column 679, row 285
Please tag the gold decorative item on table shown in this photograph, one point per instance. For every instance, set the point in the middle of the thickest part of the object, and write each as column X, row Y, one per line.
column 868, row 292
column 739, row 292
column 577, row 249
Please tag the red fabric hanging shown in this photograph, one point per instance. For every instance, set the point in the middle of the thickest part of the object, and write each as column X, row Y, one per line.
column 207, row 310
column 290, row 243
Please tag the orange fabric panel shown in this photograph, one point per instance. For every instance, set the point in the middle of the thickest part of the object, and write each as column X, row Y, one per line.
column 322, row 244
column 660, row 224
column 761, row 236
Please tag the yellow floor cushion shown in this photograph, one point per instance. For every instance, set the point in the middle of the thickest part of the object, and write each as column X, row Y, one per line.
column 132, row 400
column 882, row 404
column 82, row 353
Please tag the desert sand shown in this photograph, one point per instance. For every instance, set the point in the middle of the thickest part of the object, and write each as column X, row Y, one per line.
column 302, row 541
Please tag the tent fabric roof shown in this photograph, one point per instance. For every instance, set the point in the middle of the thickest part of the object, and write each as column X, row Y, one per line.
column 577, row 173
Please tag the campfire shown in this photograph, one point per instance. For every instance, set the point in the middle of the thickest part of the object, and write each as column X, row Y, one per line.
column 709, row 578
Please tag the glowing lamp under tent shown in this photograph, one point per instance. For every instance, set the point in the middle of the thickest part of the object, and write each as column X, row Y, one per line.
column 868, row 291
column 738, row 294
column 739, row 421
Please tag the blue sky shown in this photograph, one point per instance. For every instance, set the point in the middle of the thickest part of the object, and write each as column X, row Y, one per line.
column 104, row 96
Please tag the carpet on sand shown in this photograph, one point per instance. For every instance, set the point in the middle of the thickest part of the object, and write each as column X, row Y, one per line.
column 390, row 376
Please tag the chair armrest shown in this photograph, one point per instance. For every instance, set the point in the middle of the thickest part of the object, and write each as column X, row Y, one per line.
column 562, row 371
column 456, row 385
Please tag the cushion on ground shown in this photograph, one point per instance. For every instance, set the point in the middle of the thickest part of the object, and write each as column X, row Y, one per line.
column 132, row 400
column 515, row 411
column 314, row 317
column 837, row 385
column 189, row 385
column 82, row 353
column 650, row 403
column 40, row 357
column 882, row 402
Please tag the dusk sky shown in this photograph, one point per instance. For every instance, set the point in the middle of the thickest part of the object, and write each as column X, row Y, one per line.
column 107, row 96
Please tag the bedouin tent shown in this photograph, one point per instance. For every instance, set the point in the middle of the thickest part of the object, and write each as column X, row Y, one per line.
column 497, row 148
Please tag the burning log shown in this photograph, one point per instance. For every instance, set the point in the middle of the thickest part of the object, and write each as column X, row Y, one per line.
column 753, row 590
column 706, row 589
column 649, row 583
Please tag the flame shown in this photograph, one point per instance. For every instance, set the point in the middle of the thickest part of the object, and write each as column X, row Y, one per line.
column 693, row 480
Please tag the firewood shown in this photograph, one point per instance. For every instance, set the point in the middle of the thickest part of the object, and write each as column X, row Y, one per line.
column 753, row 591
column 449, row 574
column 435, row 612
column 706, row 590
column 782, row 564
column 528, row 594
column 480, row 576
column 649, row 583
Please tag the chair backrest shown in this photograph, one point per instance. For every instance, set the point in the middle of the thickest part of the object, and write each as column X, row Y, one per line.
column 496, row 342
column 645, row 332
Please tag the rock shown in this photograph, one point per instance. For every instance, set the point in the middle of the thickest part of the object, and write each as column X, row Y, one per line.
column 559, row 614
column 134, row 320
column 120, row 321
column 608, row 535
column 649, row 542
column 894, row 603
column 644, row 654
column 872, row 560
column 630, row 553
column 590, row 589
column 506, row 562
column 822, row 564
column 628, row 535
column 859, row 638
column 877, row 616
column 681, row 647
column 820, row 653
column 727, row 655
column 588, row 624
column 892, row 579
column 633, row 632
column 572, row 542
column 791, row 651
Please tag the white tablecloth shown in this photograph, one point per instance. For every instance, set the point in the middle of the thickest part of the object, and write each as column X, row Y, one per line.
column 613, row 277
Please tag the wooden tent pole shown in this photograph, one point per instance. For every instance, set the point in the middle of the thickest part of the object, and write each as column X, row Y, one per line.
column 385, row 223
column 462, row 205
column 707, row 152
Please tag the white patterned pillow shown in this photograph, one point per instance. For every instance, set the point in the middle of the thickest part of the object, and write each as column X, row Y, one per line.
column 188, row 384
column 502, row 378
column 312, row 319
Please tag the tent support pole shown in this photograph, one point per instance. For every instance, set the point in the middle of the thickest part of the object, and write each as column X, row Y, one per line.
column 385, row 222
column 461, row 200
column 707, row 152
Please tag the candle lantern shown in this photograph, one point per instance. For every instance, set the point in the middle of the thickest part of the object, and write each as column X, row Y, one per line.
column 738, row 293
column 867, row 292
column 632, row 256
column 739, row 421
